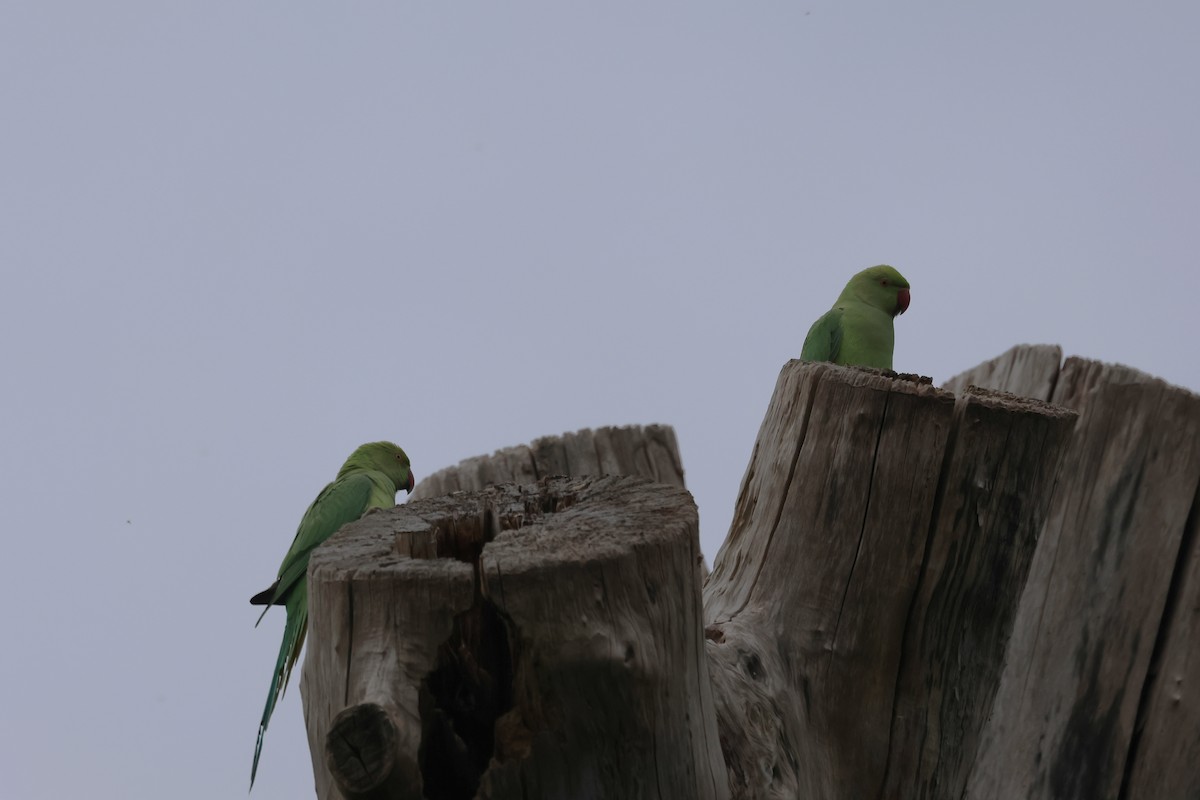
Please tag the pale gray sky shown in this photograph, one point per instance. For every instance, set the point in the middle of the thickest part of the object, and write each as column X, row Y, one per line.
column 239, row 239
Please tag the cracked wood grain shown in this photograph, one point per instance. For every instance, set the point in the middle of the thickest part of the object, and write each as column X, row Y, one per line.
column 650, row 451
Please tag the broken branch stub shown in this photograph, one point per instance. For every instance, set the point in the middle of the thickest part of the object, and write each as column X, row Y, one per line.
column 363, row 753
column 535, row 641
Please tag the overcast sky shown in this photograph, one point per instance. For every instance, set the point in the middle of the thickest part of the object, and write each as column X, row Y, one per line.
column 240, row 239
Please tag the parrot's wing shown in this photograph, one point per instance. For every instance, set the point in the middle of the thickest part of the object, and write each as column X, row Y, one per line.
column 824, row 340
column 340, row 502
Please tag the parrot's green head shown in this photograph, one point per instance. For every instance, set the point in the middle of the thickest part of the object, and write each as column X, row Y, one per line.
column 382, row 457
column 882, row 287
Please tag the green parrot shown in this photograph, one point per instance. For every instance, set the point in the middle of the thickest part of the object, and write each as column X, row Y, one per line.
column 857, row 331
column 369, row 479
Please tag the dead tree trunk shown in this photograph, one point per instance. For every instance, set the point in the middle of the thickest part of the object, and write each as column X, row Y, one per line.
column 548, row 641
column 858, row 610
column 1101, row 694
column 539, row 641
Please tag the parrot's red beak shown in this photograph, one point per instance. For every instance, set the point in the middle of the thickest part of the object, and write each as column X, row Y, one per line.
column 902, row 299
column 408, row 487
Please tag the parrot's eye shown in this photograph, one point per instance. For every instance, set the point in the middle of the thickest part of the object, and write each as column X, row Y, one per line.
column 884, row 282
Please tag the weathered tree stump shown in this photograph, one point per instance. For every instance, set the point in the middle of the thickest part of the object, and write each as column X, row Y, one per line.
column 650, row 451
column 548, row 640
column 922, row 595
column 538, row 641
column 858, row 611
column 1105, row 642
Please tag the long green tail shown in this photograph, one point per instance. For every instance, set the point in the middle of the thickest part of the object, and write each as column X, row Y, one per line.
column 289, row 650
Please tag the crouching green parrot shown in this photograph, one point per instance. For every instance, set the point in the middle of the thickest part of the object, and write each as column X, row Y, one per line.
column 857, row 331
column 369, row 479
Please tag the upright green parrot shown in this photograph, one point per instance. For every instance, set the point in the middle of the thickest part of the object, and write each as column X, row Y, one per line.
column 370, row 478
column 857, row 331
